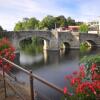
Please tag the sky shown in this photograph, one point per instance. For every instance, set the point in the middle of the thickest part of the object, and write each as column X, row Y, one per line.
column 12, row 11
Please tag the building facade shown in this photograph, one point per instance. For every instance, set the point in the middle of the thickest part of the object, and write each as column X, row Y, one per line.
column 94, row 26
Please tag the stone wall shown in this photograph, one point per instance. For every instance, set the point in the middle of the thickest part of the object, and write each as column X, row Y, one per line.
column 53, row 39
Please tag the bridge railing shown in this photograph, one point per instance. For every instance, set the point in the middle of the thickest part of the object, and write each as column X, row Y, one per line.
column 31, row 80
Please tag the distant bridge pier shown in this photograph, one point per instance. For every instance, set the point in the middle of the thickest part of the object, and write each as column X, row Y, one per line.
column 46, row 44
column 51, row 45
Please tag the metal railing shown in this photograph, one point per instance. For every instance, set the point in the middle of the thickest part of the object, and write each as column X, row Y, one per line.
column 31, row 78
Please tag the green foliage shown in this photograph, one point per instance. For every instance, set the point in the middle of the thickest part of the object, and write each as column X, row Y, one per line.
column 79, row 23
column 84, row 28
column 18, row 26
column 61, row 21
column 79, row 97
column 70, row 21
column 27, row 24
column 84, row 47
column 48, row 22
column 32, row 23
column 31, row 47
column 1, row 29
column 90, row 59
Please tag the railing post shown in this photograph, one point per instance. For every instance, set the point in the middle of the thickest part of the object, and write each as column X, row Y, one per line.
column 31, row 86
column 4, row 81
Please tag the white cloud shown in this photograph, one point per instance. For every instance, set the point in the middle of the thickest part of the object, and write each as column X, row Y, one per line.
column 12, row 11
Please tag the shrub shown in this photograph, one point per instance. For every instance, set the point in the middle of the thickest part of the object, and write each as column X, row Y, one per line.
column 6, row 51
column 86, row 86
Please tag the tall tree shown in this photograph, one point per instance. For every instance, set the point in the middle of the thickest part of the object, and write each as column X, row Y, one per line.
column 27, row 24
column 83, row 28
column 61, row 21
column 79, row 23
column 48, row 22
column 1, row 29
column 70, row 21
column 32, row 23
column 18, row 26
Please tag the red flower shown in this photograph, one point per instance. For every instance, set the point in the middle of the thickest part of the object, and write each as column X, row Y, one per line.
column 75, row 81
column 83, row 86
column 93, row 67
column 6, row 51
column 75, row 73
column 0, row 62
column 65, row 90
column 82, row 67
column 68, row 77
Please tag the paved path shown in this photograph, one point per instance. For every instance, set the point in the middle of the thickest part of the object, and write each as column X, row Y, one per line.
column 11, row 95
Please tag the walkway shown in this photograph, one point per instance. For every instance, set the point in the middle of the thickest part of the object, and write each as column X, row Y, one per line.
column 11, row 94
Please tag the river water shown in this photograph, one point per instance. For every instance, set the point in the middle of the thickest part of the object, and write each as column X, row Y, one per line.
column 52, row 66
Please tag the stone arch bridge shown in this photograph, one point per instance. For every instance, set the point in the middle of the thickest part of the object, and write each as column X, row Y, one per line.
column 53, row 40
column 93, row 39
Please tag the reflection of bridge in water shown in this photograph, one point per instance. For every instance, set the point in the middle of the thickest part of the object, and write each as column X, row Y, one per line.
column 54, row 40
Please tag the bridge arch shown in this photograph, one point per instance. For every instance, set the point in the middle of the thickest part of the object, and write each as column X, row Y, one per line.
column 90, row 44
column 65, row 45
column 45, row 41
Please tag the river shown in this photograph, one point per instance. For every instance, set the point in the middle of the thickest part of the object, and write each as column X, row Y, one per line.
column 52, row 66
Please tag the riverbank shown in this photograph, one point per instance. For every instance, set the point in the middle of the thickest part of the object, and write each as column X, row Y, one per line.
column 11, row 93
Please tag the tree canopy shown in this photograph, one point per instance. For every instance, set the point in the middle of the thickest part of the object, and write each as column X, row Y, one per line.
column 1, row 29
column 27, row 24
column 71, row 21
column 61, row 21
column 49, row 22
column 18, row 26
column 83, row 28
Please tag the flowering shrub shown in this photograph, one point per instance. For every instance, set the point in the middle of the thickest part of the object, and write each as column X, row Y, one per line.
column 86, row 86
column 6, row 51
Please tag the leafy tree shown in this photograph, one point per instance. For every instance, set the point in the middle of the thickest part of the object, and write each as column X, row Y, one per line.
column 83, row 28
column 70, row 21
column 27, row 24
column 32, row 23
column 79, row 23
column 1, row 29
column 61, row 21
column 48, row 22
column 18, row 26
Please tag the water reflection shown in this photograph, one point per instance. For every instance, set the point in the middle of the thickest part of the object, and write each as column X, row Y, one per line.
column 29, row 59
column 52, row 66
column 95, row 51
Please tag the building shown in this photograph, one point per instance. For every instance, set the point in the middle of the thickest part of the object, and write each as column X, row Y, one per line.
column 69, row 28
column 94, row 26
column 74, row 28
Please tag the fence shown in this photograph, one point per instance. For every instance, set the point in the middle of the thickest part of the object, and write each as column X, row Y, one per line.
column 32, row 77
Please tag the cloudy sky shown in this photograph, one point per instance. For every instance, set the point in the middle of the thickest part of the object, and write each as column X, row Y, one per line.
column 12, row 11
